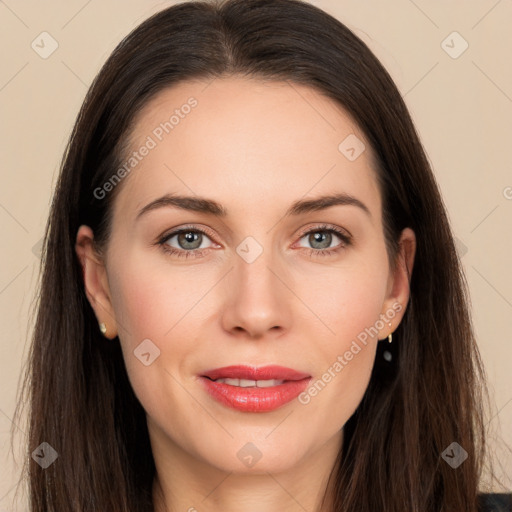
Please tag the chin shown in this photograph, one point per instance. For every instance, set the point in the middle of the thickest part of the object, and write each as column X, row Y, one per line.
column 255, row 455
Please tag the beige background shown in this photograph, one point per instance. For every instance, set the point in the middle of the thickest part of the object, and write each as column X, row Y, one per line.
column 462, row 107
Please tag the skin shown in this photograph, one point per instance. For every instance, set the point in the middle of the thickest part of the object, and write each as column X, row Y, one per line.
column 255, row 147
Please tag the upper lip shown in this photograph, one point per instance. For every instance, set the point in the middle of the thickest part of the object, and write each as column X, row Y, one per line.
column 255, row 373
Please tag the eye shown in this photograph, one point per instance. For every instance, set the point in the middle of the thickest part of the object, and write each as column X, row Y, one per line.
column 321, row 237
column 185, row 242
column 189, row 242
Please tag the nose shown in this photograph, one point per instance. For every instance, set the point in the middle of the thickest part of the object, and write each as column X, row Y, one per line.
column 258, row 299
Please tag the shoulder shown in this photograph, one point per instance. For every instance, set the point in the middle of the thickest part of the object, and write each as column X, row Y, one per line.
column 501, row 502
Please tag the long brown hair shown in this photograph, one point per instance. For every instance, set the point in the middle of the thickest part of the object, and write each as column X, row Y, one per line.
column 430, row 395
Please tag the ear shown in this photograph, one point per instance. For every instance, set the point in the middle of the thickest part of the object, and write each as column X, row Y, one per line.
column 399, row 284
column 95, row 280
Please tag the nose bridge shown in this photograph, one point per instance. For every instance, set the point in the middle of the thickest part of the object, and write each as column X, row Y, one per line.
column 257, row 297
column 252, row 268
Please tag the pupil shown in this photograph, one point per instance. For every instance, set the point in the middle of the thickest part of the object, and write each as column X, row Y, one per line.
column 319, row 236
column 189, row 238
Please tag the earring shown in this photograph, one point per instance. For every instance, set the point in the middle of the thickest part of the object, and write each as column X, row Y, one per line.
column 103, row 328
column 390, row 336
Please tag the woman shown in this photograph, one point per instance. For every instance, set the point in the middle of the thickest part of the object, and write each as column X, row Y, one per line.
column 251, row 297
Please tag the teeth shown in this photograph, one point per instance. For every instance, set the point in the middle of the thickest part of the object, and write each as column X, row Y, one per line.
column 245, row 383
column 268, row 383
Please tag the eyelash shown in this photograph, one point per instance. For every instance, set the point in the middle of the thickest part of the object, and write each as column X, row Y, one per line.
column 197, row 253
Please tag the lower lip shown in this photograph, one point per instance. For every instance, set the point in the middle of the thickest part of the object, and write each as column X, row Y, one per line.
column 255, row 399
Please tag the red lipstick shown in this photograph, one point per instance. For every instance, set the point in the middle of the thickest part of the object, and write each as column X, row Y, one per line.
column 251, row 389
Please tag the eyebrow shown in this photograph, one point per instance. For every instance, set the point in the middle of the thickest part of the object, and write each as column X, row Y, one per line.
column 211, row 207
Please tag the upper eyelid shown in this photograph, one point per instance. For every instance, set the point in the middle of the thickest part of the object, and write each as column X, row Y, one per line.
column 185, row 229
column 325, row 227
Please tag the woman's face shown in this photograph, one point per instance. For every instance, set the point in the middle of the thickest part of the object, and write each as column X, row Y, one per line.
column 266, row 283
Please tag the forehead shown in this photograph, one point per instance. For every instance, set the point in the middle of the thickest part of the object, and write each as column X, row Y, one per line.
column 260, row 143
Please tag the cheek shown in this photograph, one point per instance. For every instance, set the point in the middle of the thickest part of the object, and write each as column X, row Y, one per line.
column 348, row 300
column 149, row 299
column 148, row 306
column 138, row 305
column 349, row 303
column 151, row 306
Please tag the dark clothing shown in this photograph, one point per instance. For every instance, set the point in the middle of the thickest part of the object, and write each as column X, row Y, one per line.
column 495, row 502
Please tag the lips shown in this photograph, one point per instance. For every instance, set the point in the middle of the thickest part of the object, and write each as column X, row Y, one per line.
column 252, row 373
column 251, row 389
